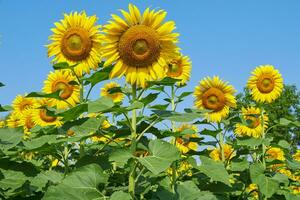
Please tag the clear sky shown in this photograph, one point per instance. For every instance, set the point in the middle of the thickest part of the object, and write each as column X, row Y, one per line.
column 222, row 37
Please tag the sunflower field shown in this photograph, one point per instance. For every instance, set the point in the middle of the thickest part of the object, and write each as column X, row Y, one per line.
column 132, row 142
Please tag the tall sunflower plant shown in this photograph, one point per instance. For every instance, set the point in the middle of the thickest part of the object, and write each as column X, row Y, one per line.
column 134, row 141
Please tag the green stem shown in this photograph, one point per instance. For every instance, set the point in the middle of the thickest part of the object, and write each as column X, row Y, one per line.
column 173, row 107
column 262, row 122
column 131, row 187
column 221, row 142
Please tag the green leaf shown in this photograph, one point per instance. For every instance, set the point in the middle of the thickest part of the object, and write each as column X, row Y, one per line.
column 251, row 142
column 149, row 98
column 9, row 138
column 160, row 106
column 81, row 184
column 42, row 179
column 1, row 84
column 284, row 121
column 100, row 105
column 5, row 108
column 54, row 95
column 63, row 65
column 135, row 105
column 240, row 166
column 267, row 185
column 184, row 94
column 284, row 144
column 120, row 195
column 281, row 178
column 73, row 113
column 88, row 126
column 120, row 156
column 98, row 76
column 213, row 169
column 167, row 81
column 188, row 190
column 177, row 117
column 12, row 179
column 38, row 142
column 293, row 164
column 212, row 133
column 162, row 156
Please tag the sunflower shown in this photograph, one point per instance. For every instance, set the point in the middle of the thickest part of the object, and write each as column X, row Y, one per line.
column 253, row 190
column 296, row 156
column 40, row 117
column 13, row 120
column 296, row 189
column 216, row 154
column 21, row 104
column 183, row 143
column 2, row 124
column 27, row 121
column 252, row 126
column 76, row 40
column 265, row 84
column 275, row 153
column 116, row 96
column 215, row 95
column 60, row 80
column 180, row 68
column 140, row 45
column 183, row 168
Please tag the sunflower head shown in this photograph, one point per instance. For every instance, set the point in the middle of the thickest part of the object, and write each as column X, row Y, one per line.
column 216, row 154
column 265, row 84
column 27, row 122
column 21, row 104
column 2, row 124
column 253, row 190
column 275, row 153
column 14, row 120
column 60, row 80
column 116, row 96
column 215, row 95
column 183, row 143
column 296, row 156
column 180, row 68
column 139, row 45
column 252, row 126
column 40, row 116
column 76, row 40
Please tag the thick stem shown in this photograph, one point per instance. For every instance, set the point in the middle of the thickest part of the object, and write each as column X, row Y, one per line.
column 221, row 142
column 132, row 175
column 262, row 122
column 173, row 107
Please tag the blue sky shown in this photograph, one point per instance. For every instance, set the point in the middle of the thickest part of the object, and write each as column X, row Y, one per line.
column 226, row 38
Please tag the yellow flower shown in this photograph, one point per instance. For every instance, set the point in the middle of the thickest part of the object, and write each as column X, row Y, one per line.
column 105, row 125
column 60, row 80
column 21, row 104
column 140, row 45
column 13, row 120
column 296, row 156
column 2, row 124
column 216, row 153
column 40, row 117
column 215, row 95
column 116, row 96
column 54, row 163
column 183, row 143
column 252, row 128
column 253, row 189
column 76, row 40
column 184, row 168
column 27, row 121
column 286, row 172
column 180, row 68
column 265, row 84
column 296, row 189
column 275, row 153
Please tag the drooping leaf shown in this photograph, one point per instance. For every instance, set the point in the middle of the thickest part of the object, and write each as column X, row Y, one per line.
column 12, row 179
column 213, row 169
column 42, row 179
column 54, row 95
column 87, row 127
column 5, row 108
column 81, row 184
column 167, row 81
column 120, row 156
column 100, row 105
column 149, row 98
column 184, row 94
column 98, row 76
column 73, row 113
column 240, row 165
column 63, row 65
column 162, row 154
column 251, row 142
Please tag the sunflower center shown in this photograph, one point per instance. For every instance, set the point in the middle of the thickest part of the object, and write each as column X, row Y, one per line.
column 213, row 99
column 29, row 123
column 174, row 69
column 265, row 83
column 25, row 105
column 76, row 44
column 139, row 46
column 66, row 89
column 253, row 122
column 45, row 117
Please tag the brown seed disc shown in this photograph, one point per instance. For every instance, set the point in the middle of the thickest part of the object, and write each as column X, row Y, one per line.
column 265, row 83
column 76, row 44
column 139, row 46
column 213, row 99
column 45, row 117
column 66, row 89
